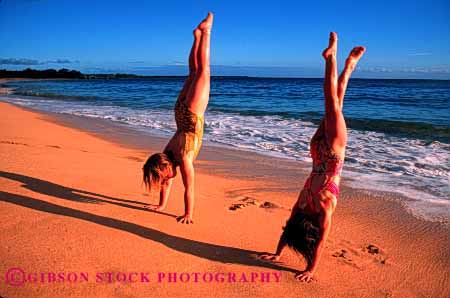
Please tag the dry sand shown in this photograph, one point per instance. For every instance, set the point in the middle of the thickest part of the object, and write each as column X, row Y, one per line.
column 72, row 202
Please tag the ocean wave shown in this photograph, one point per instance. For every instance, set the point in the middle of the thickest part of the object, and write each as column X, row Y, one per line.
column 409, row 129
column 58, row 96
column 420, row 130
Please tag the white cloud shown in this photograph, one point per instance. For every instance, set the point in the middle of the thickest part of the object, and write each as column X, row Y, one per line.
column 443, row 69
column 420, row 54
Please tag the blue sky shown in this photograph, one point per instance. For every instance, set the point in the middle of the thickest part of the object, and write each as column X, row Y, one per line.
column 409, row 39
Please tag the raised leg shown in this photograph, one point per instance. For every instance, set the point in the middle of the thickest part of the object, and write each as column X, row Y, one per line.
column 335, row 127
column 198, row 93
column 350, row 65
column 330, row 82
column 193, row 64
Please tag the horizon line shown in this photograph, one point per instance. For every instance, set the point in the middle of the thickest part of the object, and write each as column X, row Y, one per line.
column 134, row 75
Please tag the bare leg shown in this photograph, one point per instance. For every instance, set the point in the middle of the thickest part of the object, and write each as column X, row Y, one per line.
column 193, row 64
column 198, row 93
column 330, row 82
column 350, row 65
column 335, row 127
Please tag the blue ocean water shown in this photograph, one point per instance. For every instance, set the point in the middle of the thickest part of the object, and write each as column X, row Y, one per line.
column 399, row 130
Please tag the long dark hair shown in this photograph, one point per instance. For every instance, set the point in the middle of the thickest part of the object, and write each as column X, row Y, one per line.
column 302, row 233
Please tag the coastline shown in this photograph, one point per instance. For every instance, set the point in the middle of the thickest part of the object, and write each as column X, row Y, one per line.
column 49, row 154
column 8, row 91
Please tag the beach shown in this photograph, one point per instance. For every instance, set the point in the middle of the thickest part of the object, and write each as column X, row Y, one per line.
column 75, row 223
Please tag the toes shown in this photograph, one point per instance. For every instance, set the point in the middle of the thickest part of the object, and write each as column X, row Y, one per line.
column 332, row 44
column 333, row 37
column 361, row 50
column 210, row 17
column 333, row 40
column 355, row 55
column 358, row 50
column 206, row 24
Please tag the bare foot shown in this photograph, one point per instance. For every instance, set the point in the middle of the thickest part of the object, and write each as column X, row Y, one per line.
column 155, row 207
column 332, row 46
column 206, row 24
column 354, row 57
column 269, row 257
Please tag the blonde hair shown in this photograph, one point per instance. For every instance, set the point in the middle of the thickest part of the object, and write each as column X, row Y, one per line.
column 153, row 169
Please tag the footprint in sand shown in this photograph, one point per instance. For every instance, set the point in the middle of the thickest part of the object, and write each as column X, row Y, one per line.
column 248, row 201
column 372, row 249
column 134, row 158
column 362, row 257
column 347, row 257
column 13, row 143
column 377, row 253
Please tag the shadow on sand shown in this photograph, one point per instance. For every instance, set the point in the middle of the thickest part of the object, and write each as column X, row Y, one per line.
column 72, row 194
column 212, row 252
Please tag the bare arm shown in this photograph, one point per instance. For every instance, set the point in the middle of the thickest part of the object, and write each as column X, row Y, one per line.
column 187, row 172
column 166, row 186
column 281, row 243
column 325, row 227
column 277, row 255
column 280, row 247
column 164, row 193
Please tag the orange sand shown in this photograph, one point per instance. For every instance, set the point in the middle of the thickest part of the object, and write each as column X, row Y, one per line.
column 73, row 202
